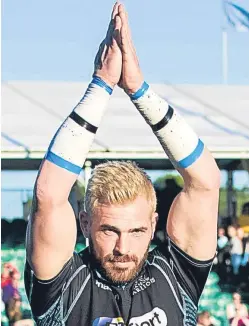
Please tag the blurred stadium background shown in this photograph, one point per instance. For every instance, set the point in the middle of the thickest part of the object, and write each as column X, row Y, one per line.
column 200, row 66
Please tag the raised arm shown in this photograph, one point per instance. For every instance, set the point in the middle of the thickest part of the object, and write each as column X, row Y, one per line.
column 51, row 233
column 192, row 220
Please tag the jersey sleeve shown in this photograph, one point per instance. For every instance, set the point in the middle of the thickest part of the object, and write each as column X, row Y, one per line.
column 191, row 274
column 42, row 294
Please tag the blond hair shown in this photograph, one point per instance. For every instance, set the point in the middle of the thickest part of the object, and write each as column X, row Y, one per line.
column 118, row 183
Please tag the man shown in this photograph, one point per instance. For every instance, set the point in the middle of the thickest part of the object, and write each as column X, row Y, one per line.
column 236, row 308
column 11, row 295
column 116, row 281
column 223, row 254
column 8, row 271
column 243, row 219
column 165, row 198
column 236, row 251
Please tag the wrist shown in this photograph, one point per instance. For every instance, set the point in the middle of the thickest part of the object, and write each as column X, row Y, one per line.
column 103, row 83
column 105, row 79
column 135, row 87
column 139, row 91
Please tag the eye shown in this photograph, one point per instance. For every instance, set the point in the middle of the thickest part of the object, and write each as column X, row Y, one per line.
column 108, row 232
column 137, row 233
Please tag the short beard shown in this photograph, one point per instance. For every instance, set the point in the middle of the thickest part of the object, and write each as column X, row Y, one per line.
column 115, row 274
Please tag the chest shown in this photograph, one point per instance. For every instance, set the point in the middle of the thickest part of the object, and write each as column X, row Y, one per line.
column 151, row 301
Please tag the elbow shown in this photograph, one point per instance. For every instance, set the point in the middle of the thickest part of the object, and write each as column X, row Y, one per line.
column 47, row 197
column 42, row 196
column 213, row 180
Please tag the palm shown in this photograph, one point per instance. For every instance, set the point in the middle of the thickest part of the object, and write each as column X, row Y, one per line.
column 108, row 65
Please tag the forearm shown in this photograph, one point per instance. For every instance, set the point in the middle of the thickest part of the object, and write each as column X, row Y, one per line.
column 179, row 141
column 51, row 233
column 70, row 145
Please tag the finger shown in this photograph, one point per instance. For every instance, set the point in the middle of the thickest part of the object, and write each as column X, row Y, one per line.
column 117, row 32
column 110, row 29
column 123, row 32
column 124, row 18
column 122, row 11
column 124, row 44
column 125, row 22
column 128, row 29
column 112, row 23
column 115, row 10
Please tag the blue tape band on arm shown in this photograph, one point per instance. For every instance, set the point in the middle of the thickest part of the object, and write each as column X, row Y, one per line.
column 57, row 160
column 140, row 92
column 189, row 160
column 98, row 81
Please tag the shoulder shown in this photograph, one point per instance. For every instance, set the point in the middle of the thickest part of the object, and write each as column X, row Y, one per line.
column 82, row 257
column 189, row 273
column 161, row 266
column 80, row 264
column 44, row 296
column 159, row 256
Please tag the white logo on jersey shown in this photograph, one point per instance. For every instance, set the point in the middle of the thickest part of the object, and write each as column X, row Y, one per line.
column 142, row 283
column 156, row 317
column 102, row 286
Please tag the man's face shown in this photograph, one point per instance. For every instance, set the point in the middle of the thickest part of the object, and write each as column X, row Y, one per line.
column 120, row 236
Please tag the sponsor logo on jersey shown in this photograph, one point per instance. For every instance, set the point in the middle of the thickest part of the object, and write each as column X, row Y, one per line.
column 142, row 283
column 156, row 317
column 102, row 286
column 107, row 321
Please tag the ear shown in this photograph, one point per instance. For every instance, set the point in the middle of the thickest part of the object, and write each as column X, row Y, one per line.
column 154, row 220
column 84, row 223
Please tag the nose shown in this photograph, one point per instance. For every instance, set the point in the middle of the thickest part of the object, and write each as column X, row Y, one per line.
column 122, row 245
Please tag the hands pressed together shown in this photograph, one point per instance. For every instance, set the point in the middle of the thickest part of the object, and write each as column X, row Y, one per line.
column 116, row 61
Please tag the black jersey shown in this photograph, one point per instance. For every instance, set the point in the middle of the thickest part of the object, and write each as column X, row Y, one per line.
column 166, row 292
